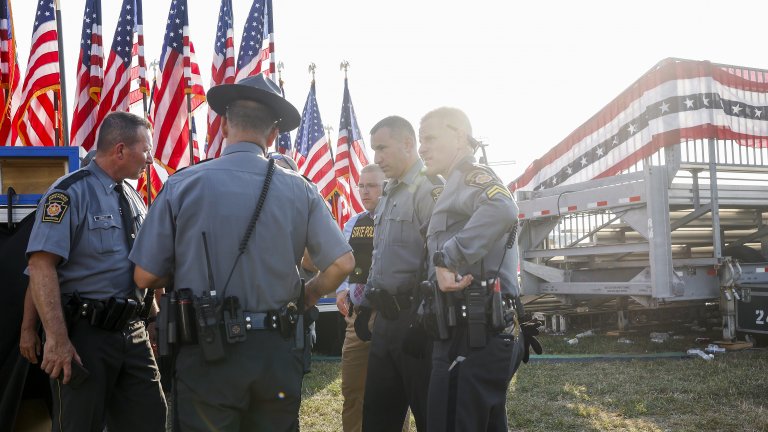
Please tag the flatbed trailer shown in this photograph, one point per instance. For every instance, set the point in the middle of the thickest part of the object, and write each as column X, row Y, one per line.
column 684, row 221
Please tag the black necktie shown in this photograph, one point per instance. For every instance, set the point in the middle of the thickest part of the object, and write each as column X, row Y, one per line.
column 126, row 215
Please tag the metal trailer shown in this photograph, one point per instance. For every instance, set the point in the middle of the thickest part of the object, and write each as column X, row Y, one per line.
column 687, row 223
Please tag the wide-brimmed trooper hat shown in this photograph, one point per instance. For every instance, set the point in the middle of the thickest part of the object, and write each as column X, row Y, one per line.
column 257, row 88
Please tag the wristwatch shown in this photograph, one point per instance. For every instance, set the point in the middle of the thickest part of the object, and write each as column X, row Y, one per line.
column 438, row 259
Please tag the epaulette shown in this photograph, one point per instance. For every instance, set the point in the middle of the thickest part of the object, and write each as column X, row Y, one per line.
column 483, row 177
column 188, row 166
column 436, row 180
column 74, row 178
column 438, row 184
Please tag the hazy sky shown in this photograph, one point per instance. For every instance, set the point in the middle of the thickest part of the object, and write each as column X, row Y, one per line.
column 526, row 73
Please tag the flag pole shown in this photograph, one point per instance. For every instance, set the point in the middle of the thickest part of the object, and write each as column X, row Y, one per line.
column 189, row 130
column 148, row 168
column 62, row 76
column 280, row 67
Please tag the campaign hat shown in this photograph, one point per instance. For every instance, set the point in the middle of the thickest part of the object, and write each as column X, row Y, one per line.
column 260, row 89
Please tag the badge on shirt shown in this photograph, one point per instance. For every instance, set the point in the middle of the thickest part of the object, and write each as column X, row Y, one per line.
column 436, row 192
column 478, row 178
column 55, row 207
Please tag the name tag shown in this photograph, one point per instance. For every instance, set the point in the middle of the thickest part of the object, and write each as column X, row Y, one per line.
column 102, row 218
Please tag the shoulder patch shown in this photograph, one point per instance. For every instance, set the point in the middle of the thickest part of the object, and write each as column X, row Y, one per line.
column 55, row 207
column 479, row 178
column 72, row 179
column 436, row 192
column 496, row 190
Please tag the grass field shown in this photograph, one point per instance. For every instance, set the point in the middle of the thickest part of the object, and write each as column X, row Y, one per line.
column 729, row 393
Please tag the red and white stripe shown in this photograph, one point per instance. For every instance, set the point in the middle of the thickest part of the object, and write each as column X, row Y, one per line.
column 318, row 167
column 37, row 119
column 222, row 72
column 158, row 175
column 575, row 208
column 117, row 82
column 671, row 79
column 171, row 133
column 350, row 160
column 10, row 76
column 90, row 79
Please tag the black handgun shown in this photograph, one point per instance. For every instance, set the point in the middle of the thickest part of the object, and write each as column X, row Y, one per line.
column 146, row 306
column 440, row 311
column 163, row 325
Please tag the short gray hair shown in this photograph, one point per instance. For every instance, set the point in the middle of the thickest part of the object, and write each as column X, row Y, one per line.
column 371, row 168
column 250, row 116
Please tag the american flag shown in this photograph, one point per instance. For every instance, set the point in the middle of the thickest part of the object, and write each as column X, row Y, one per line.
column 159, row 174
column 180, row 75
column 37, row 119
column 350, row 159
column 677, row 100
column 9, row 75
column 222, row 72
column 117, row 78
column 257, row 46
column 90, row 78
column 284, row 140
column 139, row 87
column 138, row 49
column 313, row 152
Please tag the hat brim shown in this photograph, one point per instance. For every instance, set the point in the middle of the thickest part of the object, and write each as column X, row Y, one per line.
column 221, row 96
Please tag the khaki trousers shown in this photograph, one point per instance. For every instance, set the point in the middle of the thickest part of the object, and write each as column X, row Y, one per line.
column 354, row 367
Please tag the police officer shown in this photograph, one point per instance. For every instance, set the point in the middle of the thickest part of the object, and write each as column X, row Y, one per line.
column 80, row 275
column 396, row 380
column 205, row 214
column 466, row 239
column 354, row 353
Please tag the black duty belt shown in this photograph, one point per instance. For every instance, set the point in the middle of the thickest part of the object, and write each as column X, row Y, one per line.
column 112, row 314
column 404, row 300
column 261, row 320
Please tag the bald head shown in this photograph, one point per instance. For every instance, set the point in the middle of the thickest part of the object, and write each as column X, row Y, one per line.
column 452, row 118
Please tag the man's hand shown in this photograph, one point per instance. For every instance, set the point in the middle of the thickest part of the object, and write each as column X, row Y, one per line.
column 342, row 302
column 449, row 281
column 29, row 344
column 57, row 359
column 311, row 296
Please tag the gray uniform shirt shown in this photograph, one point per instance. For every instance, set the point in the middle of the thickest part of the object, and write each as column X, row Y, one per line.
column 400, row 222
column 218, row 197
column 470, row 223
column 81, row 223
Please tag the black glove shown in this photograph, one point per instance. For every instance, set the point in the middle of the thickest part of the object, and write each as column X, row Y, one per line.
column 530, row 330
column 361, row 323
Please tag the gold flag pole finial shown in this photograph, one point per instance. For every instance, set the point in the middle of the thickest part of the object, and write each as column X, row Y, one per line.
column 345, row 67
column 312, row 68
column 280, row 67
